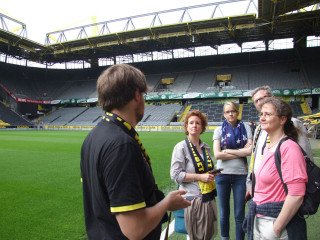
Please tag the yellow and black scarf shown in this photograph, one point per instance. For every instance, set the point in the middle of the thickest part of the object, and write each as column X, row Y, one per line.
column 203, row 165
column 253, row 156
column 129, row 130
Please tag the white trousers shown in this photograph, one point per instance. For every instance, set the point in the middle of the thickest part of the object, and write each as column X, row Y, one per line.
column 263, row 229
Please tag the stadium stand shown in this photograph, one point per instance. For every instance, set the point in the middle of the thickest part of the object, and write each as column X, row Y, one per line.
column 278, row 74
column 67, row 96
column 63, row 116
column 214, row 111
column 249, row 113
column 202, row 80
column 90, row 117
column 312, row 69
column 160, row 114
column 279, row 69
column 153, row 81
column 80, row 89
column 3, row 124
column 182, row 82
column 65, row 84
column 11, row 117
column 296, row 109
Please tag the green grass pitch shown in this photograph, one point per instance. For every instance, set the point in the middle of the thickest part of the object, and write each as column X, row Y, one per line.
column 41, row 195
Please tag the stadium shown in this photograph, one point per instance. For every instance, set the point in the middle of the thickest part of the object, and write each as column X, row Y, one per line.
column 48, row 97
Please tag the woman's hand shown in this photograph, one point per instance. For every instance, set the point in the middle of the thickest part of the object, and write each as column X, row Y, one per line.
column 206, row 177
column 230, row 151
column 277, row 231
column 241, row 152
column 290, row 207
column 248, row 145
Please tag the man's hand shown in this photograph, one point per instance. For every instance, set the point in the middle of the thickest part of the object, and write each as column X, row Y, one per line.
column 137, row 224
column 175, row 201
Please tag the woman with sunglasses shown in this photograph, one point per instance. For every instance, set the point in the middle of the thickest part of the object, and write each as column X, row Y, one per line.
column 232, row 143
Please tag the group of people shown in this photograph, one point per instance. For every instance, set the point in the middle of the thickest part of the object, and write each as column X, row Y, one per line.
column 122, row 200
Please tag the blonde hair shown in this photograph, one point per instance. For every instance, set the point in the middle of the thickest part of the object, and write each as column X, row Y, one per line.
column 232, row 104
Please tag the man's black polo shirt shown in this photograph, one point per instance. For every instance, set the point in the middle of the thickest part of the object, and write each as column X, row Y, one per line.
column 116, row 178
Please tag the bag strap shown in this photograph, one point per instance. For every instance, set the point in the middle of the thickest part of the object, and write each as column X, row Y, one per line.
column 277, row 159
column 252, row 159
column 254, row 145
column 166, row 236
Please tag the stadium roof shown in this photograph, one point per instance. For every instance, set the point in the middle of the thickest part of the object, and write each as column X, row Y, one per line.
column 271, row 9
column 271, row 24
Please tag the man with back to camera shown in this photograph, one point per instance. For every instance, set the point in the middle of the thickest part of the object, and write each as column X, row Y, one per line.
column 260, row 136
column 121, row 199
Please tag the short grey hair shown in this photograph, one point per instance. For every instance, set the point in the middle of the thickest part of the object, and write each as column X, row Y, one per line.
column 264, row 88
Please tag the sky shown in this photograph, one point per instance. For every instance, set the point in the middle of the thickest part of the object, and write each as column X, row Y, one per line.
column 41, row 16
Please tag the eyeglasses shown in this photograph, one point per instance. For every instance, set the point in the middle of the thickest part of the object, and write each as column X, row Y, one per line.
column 260, row 99
column 231, row 111
column 266, row 114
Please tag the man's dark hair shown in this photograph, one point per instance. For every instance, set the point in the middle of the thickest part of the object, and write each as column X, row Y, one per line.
column 116, row 86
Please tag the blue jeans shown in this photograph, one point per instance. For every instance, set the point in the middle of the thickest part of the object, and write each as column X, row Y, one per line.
column 224, row 184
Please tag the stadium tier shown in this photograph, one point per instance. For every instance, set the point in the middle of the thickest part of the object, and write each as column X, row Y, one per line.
column 280, row 69
column 10, row 118
column 69, row 98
